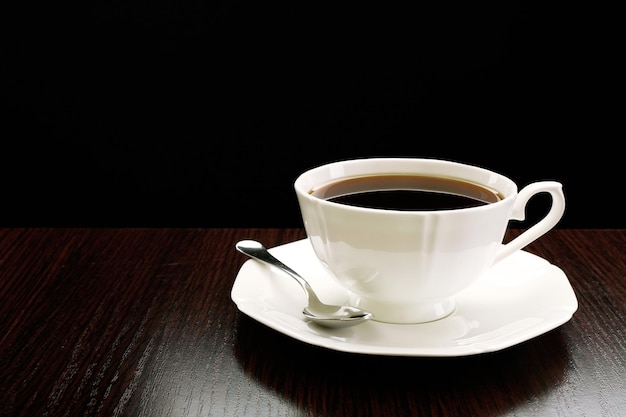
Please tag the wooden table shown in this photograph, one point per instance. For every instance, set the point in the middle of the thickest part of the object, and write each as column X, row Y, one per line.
column 140, row 322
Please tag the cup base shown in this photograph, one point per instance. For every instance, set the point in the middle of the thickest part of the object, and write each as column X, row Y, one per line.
column 399, row 313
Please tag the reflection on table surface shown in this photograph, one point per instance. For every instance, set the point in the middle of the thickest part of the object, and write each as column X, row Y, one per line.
column 128, row 321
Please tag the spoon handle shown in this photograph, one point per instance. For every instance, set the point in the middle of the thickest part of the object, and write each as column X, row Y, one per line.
column 257, row 251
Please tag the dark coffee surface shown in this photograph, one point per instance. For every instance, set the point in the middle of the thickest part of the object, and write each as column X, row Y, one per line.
column 407, row 193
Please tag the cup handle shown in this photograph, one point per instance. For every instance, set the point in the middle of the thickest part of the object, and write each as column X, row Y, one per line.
column 555, row 189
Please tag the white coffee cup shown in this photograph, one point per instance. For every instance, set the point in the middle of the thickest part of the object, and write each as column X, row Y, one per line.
column 406, row 266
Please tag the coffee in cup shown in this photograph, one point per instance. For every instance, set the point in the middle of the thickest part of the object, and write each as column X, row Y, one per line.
column 407, row 192
column 404, row 235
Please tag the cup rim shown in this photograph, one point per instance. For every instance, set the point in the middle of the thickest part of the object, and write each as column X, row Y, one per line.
column 306, row 191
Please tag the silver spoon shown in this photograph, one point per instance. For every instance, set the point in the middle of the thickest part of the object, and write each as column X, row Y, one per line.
column 320, row 313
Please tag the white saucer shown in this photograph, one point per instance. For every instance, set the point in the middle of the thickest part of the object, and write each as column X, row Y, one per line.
column 520, row 298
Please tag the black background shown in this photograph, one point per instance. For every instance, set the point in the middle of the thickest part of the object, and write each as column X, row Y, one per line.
column 201, row 114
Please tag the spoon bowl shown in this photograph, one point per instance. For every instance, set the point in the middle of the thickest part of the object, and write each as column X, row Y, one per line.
column 323, row 314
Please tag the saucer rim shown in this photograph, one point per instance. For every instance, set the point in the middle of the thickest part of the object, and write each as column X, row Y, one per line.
column 327, row 338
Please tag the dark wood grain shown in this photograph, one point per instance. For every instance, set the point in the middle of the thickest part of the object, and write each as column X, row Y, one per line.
column 120, row 322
